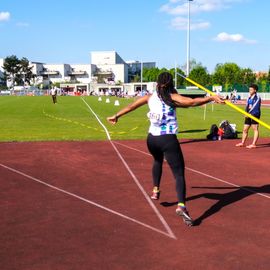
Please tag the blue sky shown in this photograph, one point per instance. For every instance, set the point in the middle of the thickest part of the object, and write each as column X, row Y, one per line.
column 66, row 31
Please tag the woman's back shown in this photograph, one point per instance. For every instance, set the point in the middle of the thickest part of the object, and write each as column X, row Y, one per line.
column 162, row 117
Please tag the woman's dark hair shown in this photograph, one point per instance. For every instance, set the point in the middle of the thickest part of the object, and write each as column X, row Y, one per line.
column 165, row 88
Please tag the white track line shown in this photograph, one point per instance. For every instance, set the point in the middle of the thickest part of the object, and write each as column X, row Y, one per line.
column 165, row 224
column 83, row 199
column 204, row 174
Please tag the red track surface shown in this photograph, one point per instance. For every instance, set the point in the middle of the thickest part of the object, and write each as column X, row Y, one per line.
column 87, row 212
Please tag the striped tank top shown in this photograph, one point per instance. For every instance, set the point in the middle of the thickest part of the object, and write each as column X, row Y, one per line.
column 162, row 117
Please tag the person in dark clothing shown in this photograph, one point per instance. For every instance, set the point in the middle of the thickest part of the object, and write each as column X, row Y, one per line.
column 253, row 107
column 54, row 94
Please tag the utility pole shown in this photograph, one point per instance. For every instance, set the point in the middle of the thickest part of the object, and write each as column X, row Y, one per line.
column 188, row 39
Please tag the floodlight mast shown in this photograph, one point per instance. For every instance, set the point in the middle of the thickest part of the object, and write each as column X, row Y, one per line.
column 141, row 76
column 188, row 39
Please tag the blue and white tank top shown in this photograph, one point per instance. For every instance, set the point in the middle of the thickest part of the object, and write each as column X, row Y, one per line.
column 162, row 117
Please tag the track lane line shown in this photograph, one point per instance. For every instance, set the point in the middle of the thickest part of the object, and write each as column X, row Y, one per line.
column 162, row 220
column 84, row 200
column 204, row 174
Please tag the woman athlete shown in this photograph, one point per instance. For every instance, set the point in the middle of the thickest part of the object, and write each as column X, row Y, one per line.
column 162, row 140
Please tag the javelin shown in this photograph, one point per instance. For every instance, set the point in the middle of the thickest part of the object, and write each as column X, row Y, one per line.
column 227, row 102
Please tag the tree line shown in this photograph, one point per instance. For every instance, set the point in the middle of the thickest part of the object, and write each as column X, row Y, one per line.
column 228, row 75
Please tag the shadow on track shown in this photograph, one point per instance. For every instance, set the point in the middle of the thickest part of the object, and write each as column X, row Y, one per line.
column 263, row 145
column 223, row 199
column 192, row 130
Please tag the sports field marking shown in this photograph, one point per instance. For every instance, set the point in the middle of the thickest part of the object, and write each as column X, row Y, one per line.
column 85, row 200
column 204, row 174
column 165, row 224
column 84, row 125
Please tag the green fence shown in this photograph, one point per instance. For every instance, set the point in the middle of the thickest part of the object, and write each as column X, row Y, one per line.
column 242, row 88
column 263, row 87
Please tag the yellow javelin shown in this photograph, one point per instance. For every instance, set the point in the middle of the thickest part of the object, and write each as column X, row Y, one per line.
column 227, row 102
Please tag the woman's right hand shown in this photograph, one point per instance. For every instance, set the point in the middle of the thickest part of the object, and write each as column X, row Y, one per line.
column 112, row 119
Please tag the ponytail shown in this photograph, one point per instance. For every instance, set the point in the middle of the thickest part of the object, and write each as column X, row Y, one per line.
column 165, row 88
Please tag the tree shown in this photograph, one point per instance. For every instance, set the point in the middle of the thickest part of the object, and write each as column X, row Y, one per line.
column 26, row 70
column 11, row 68
column 200, row 75
column 17, row 70
column 268, row 75
column 180, row 80
column 136, row 78
column 247, row 76
column 226, row 74
column 262, row 80
column 150, row 74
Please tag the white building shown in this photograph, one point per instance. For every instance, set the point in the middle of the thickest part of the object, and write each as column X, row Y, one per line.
column 52, row 73
column 107, row 71
column 109, row 67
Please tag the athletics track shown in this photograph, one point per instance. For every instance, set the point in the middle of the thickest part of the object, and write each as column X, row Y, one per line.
column 77, row 205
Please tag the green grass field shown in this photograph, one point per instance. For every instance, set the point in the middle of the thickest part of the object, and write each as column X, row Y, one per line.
column 26, row 118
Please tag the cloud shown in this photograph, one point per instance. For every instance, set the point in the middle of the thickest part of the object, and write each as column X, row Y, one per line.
column 179, row 8
column 225, row 37
column 22, row 24
column 180, row 23
column 4, row 16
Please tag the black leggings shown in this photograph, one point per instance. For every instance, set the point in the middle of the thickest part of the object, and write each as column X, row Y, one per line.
column 168, row 146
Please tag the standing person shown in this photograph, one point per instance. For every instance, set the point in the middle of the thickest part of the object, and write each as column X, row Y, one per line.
column 161, row 140
column 253, row 107
column 54, row 94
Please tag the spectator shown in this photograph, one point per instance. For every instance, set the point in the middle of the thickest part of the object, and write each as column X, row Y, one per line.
column 253, row 107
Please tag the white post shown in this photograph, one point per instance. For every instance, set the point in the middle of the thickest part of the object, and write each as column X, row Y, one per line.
column 175, row 72
column 141, row 75
column 204, row 113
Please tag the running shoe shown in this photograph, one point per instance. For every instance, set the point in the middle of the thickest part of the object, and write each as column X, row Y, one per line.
column 182, row 212
column 155, row 195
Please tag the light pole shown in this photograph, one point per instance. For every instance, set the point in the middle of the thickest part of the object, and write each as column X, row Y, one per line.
column 141, row 76
column 188, row 38
column 175, row 74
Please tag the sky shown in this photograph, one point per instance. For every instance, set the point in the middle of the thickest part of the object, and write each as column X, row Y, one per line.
column 66, row 31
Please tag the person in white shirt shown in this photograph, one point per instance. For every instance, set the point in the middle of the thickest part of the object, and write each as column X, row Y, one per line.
column 54, row 94
column 162, row 140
